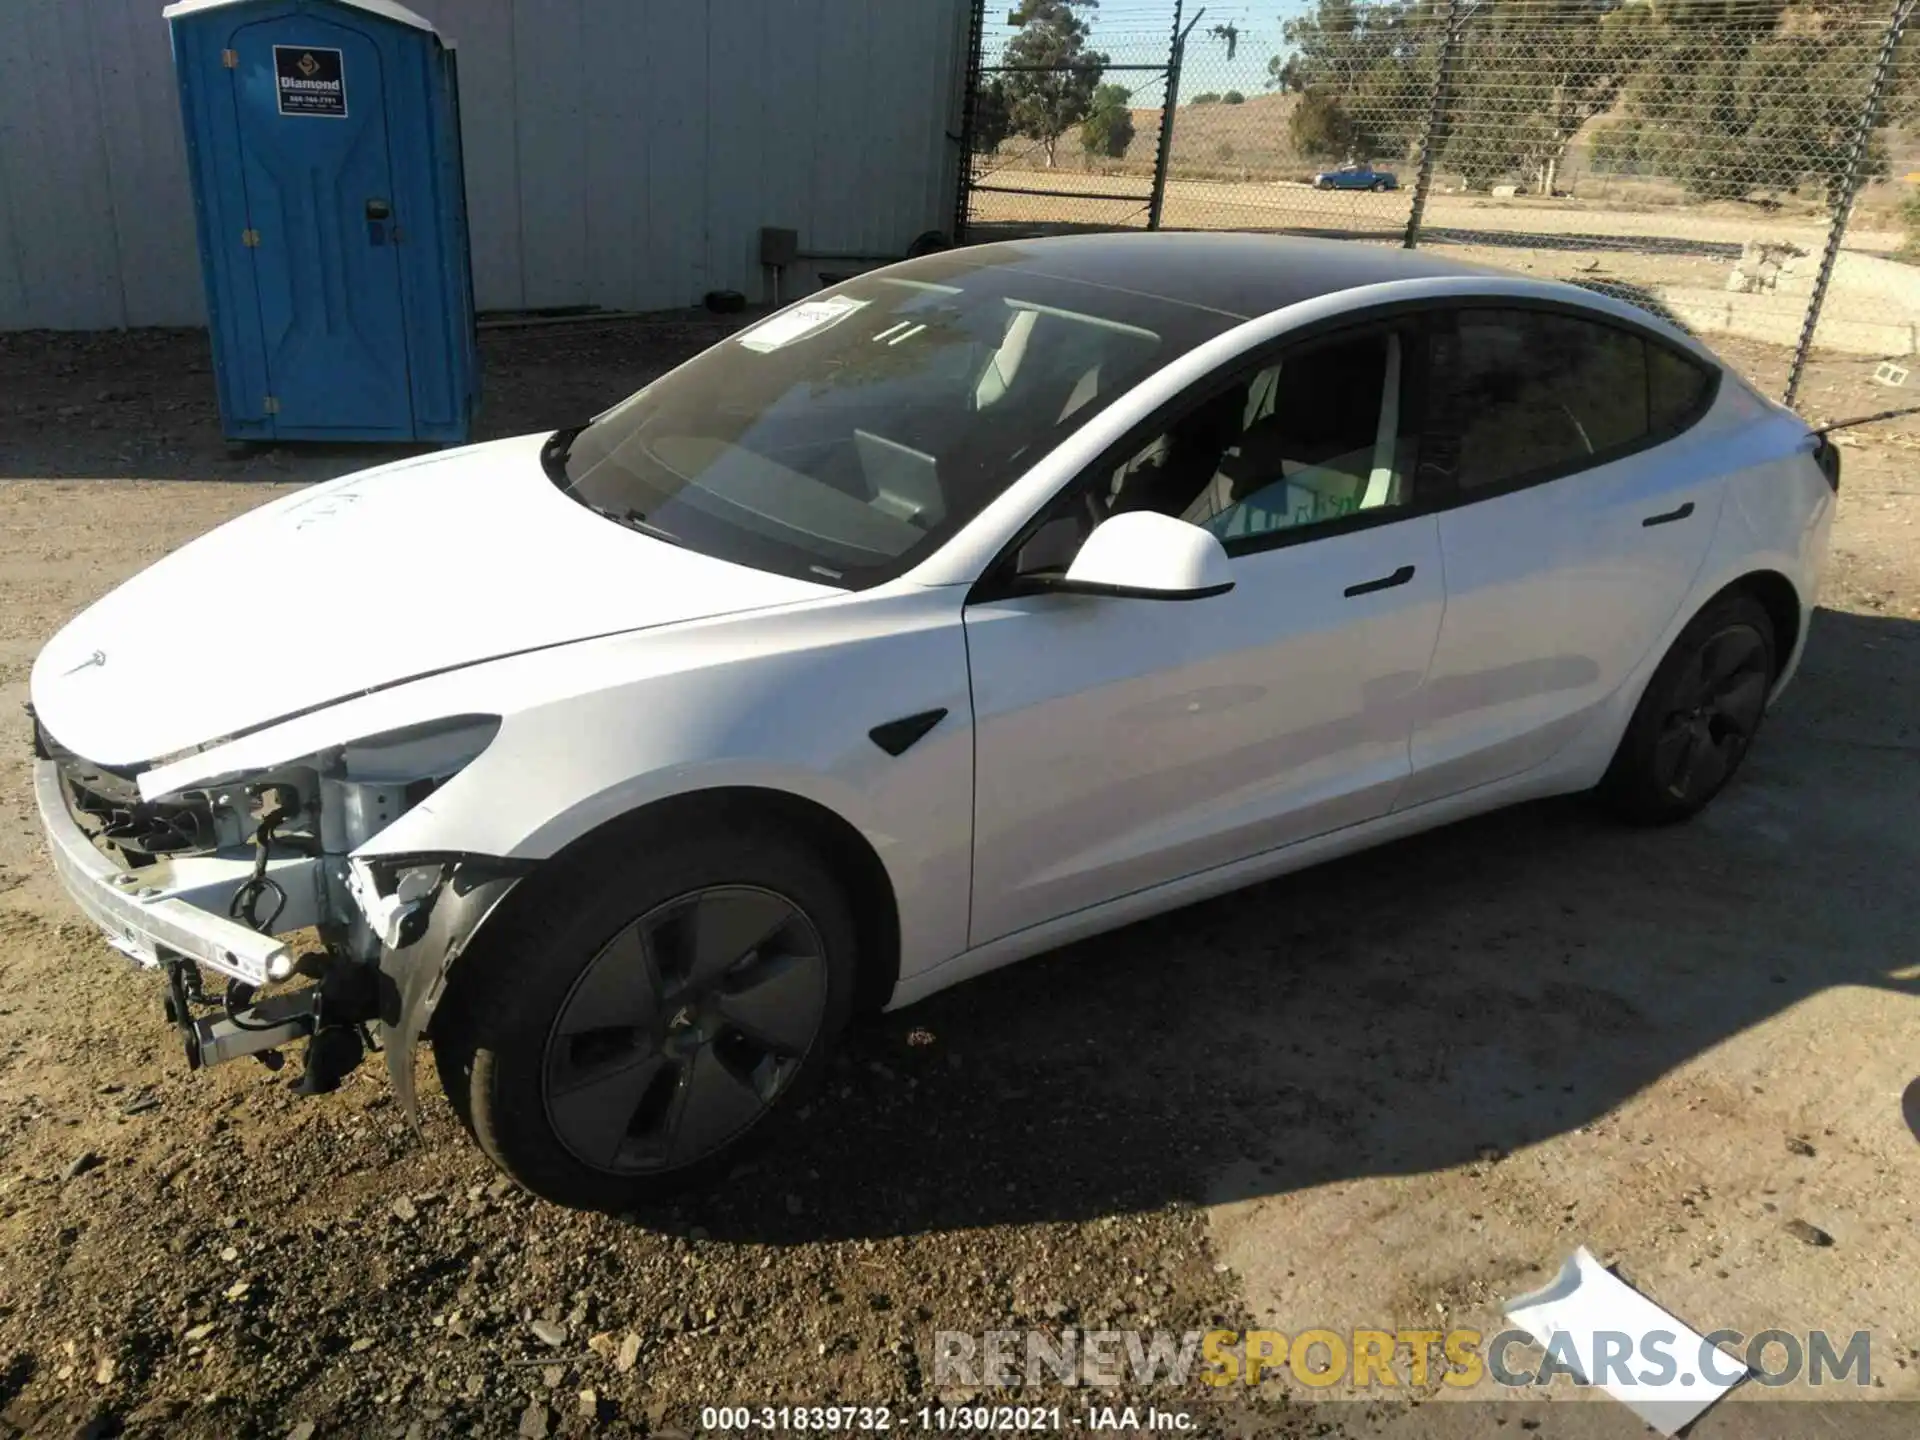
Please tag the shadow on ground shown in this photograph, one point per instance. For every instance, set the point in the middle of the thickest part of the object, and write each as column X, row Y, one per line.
column 1488, row 985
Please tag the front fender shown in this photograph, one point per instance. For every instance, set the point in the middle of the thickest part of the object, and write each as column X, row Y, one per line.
column 784, row 704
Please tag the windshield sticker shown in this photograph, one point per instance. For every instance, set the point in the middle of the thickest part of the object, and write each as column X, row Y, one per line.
column 807, row 318
column 310, row 82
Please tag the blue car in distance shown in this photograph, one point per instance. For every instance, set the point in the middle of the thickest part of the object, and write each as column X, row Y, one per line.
column 1355, row 176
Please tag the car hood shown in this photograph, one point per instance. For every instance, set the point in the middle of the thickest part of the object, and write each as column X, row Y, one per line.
column 376, row 578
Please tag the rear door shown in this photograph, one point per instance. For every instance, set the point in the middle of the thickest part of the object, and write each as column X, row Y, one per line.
column 1583, row 513
column 311, row 100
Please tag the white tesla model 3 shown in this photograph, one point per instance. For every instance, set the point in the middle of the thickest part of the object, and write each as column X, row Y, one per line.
column 977, row 604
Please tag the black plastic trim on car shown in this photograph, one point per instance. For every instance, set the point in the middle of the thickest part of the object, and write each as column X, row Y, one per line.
column 1826, row 455
column 1063, row 586
column 1668, row 517
column 1385, row 582
column 896, row 737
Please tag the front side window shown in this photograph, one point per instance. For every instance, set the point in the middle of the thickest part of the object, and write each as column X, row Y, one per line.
column 842, row 440
column 1314, row 437
column 1320, row 439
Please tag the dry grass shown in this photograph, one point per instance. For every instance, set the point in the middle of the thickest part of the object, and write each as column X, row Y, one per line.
column 1249, row 142
column 1210, row 142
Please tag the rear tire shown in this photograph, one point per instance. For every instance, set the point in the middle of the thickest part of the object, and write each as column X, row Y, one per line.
column 650, row 1014
column 1698, row 718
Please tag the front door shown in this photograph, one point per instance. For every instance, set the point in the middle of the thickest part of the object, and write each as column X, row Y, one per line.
column 1123, row 743
column 322, row 227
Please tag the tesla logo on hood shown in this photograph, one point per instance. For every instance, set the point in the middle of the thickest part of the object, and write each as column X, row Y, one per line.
column 99, row 657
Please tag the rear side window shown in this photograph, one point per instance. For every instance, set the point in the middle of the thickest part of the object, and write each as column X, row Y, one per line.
column 1527, row 393
column 1677, row 390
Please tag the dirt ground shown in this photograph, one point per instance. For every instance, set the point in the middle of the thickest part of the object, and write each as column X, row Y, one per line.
column 1273, row 204
column 1391, row 1092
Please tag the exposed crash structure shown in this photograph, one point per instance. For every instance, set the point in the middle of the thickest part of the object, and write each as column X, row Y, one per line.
column 211, row 878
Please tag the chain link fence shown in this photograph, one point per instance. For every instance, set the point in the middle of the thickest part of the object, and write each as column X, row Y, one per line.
column 1062, row 136
column 1736, row 166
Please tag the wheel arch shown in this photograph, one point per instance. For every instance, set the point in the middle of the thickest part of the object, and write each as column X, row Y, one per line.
column 851, row 856
column 1781, row 600
column 1587, row 758
column 1777, row 595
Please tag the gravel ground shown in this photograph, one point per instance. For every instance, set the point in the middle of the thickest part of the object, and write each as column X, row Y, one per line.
column 1393, row 1088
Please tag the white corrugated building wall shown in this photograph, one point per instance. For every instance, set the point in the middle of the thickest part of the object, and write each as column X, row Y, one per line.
column 619, row 153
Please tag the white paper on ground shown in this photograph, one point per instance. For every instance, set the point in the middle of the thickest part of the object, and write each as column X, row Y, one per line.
column 1593, row 1309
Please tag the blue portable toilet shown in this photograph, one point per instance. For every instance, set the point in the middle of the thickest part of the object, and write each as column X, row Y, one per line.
column 323, row 141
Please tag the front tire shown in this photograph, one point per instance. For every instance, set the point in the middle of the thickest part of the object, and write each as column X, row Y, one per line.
column 647, row 1017
column 1699, row 716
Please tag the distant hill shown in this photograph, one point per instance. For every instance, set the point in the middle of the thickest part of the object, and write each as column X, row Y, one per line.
column 1211, row 141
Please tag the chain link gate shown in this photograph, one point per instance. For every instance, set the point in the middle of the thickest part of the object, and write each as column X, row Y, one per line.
column 1735, row 166
column 1029, row 164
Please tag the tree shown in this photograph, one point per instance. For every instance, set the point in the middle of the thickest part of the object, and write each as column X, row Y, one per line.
column 1728, row 97
column 1526, row 79
column 1363, row 72
column 1051, row 90
column 1527, row 75
column 1318, row 126
column 1909, row 250
column 990, row 121
column 1233, row 97
column 1206, row 97
column 1732, row 99
column 1108, row 128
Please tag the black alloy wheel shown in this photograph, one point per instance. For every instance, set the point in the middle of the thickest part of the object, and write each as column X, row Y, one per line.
column 1697, row 719
column 684, row 1029
column 1712, row 714
column 646, row 1012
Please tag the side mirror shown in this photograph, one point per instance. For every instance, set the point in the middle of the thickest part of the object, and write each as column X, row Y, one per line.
column 1146, row 556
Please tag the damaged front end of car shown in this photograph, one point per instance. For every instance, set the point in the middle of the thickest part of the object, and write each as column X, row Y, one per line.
column 209, row 881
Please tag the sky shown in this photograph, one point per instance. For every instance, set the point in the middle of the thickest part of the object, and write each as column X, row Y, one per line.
column 1138, row 31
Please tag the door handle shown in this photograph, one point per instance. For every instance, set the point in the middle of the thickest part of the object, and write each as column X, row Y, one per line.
column 1670, row 516
column 1385, row 582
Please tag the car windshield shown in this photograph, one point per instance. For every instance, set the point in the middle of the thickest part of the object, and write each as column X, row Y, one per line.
column 843, row 439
